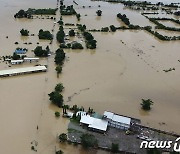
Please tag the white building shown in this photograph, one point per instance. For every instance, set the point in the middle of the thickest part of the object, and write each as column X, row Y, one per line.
column 24, row 70
column 14, row 62
column 94, row 123
column 29, row 59
column 117, row 121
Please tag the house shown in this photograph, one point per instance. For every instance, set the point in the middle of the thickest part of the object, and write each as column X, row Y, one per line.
column 117, row 121
column 14, row 62
column 29, row 59
column 94, row 123
column 20, row 51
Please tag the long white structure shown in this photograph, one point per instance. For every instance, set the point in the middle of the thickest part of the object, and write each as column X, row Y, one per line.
column 30, row 59
column 94, row 123
column 117, row 121
column 14, row 62
column 25, row 70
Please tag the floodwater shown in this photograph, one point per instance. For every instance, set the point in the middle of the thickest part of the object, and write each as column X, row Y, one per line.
column 115, row 77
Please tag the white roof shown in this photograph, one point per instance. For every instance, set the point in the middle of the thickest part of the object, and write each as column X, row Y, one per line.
column 29, row 58
column 16, row 61
column 99, row 124
column 117, row 118
column 121, row 119
column 81, row 113
column 22, row 70
column 109, row 115
column 86, row 119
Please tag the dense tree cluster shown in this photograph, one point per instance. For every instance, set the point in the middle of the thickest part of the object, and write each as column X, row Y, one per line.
column 60, row 35
column 77, row 45
column 45, row 35
column 59, row 57
column 113, row 28
column 123, row 18
column 22, row 14
column 105, row 29
column 48, row 11
column 71, row 32
column 90, row 41
column 56, row 98
column 80, row 27
column 24, row 32
column 69, row 10
column 40, row 52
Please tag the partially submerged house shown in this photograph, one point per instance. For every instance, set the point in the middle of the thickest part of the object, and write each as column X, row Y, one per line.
column 117, row 121
column 14, row 62
column 94, row 124
column 31, row 59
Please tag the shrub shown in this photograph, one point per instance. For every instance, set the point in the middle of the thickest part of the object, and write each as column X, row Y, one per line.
column 63, row 137
column 71, row 32
column 24, row 32
column 57, row 114
column 56, row 98
column 146, row 104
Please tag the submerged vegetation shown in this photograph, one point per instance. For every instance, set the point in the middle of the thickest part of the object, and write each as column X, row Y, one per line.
column 45, row 35
column 146, row 104
column 40, row 52
column 30, row 12
column 24, row 32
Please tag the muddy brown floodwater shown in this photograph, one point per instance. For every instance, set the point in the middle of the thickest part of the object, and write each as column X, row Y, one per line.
column 115, row 77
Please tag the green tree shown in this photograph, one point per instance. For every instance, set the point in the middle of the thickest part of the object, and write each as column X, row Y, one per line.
column 71, row 32
column 60, row 56
column 58, row 69
column 63, row 137
column 88, row 140
column 24, row 32
column 113, row 28
column 114, row 148
column 78, row 16
column 59, row 152
column 57, row 114
column 99, row 12
column 15, row 56
column 59, row 87
column 56, row 98
column 146, row 104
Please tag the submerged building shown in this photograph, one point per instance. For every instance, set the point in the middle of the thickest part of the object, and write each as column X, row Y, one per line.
column 116, row 120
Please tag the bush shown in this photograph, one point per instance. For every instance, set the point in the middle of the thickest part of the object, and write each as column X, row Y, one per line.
column 39, row 52
column 146, row 104
column 24, row 32
column 99, row 12
column 59, row 87
column 113, row 28
column 58, row 69
column 60, row 56
column 123, row 18
column 56, row 98
column 71, row 32
column 77, row 46
column 45, row 35
column 57, row 114
column 63, row 137
column 104, row 29
column 59, row 152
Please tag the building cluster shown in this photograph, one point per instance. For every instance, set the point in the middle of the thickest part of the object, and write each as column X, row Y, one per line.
column 108, row 119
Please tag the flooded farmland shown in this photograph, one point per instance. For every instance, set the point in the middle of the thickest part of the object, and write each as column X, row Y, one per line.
column 127, row 66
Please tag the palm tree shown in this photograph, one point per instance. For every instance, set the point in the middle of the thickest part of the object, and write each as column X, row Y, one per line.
column 146, row 104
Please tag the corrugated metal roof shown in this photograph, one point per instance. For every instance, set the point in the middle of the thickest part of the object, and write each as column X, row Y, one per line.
column 22, row 70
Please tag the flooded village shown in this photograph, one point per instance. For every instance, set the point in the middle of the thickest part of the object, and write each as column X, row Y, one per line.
column 83, row 70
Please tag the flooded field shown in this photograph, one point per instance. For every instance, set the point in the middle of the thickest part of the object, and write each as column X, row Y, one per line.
column 115, row 77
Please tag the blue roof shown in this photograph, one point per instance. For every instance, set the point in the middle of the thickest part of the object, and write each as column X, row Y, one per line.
column 20, row 51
